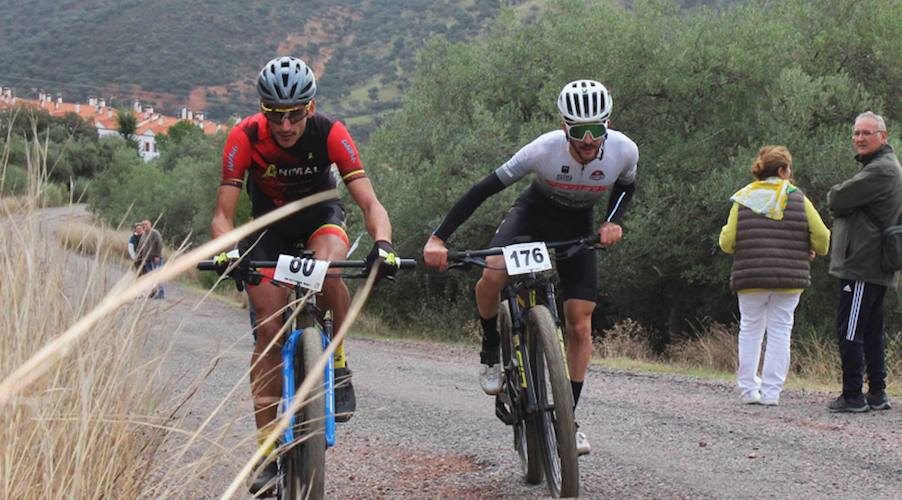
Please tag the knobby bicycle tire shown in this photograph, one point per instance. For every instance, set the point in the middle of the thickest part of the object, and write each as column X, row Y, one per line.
column 526, row 437
column 305, row 472
column 558, row 430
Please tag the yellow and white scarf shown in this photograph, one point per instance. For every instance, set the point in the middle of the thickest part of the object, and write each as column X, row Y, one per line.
column 767, row 197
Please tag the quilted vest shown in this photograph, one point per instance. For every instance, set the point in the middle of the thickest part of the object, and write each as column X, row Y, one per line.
column 772, row 254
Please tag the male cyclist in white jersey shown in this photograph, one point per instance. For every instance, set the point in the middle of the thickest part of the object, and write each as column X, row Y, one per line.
column 574, row 167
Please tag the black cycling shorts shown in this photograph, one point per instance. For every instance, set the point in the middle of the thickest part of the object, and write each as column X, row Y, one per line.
column 286, row 235
column 535, row 218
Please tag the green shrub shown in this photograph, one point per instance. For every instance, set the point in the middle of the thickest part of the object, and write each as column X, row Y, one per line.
column 699, row 91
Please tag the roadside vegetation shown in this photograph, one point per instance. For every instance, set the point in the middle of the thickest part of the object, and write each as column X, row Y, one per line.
column 91, row 427
column 699, row 90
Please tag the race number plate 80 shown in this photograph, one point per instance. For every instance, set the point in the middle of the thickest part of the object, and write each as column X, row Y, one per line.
column 308, row 273
column 525, row 258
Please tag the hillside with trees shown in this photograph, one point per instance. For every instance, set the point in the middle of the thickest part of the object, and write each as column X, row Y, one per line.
column 206, row 53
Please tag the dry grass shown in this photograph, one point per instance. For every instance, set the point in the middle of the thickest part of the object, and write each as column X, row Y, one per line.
column 625, row 340
column 80, row 387
column 713, row 349
column 89, row 427
column 11, row 205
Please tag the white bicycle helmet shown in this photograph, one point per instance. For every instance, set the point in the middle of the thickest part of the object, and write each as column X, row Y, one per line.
column 584, row 101
column 286, row 81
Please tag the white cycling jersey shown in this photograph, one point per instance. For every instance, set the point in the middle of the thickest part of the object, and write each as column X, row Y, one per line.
column 562, row 178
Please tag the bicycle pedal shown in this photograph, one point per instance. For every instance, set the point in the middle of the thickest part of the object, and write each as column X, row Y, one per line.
column 503, row 413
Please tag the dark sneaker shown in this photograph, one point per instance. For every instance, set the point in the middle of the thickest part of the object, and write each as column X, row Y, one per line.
column 843, row 404
column 266, row 478
column 878, row 401
column 345, row 400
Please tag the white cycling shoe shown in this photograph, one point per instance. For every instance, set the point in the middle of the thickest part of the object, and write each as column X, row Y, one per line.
column 582, row 444
column 490, row 379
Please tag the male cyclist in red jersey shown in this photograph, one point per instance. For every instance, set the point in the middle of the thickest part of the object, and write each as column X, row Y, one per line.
column 284, row 153
column 572, row 169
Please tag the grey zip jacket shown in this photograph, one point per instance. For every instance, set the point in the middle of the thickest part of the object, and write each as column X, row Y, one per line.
column 876, row 190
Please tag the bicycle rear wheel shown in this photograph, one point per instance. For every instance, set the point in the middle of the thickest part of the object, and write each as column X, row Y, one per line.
column 526, row 431
column 304, row 475
column 554, row 398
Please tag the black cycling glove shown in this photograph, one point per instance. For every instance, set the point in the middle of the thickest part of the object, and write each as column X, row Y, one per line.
column 383, row 255
column 240, row 274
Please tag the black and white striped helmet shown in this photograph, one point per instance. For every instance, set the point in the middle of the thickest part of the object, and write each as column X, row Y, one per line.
column 286, row 81
column 584, row 101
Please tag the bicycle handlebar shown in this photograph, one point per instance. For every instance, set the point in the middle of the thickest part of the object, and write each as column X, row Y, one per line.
column 592, row 242
column 210, row 265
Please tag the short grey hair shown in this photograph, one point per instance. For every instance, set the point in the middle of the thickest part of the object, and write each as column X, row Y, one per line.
column 881, row 125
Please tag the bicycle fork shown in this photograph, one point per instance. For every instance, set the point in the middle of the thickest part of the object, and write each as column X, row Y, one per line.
column 289, row 382
column 522, row 355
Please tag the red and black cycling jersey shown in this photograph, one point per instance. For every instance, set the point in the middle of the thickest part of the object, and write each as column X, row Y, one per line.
column 278, row 175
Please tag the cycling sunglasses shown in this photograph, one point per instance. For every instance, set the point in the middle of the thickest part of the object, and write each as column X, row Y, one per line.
column 597, row 131
column 294, row 115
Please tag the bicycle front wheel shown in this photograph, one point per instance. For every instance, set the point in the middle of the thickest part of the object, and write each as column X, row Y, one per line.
column 526, row 431
column 304, row 474
column 554, row 398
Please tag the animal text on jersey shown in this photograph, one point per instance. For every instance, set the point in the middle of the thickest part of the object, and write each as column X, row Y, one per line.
column 566, row 181
column 278, row 175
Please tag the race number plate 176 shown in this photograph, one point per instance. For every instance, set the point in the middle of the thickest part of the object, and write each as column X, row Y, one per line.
column 307, row 273
column 525, row 258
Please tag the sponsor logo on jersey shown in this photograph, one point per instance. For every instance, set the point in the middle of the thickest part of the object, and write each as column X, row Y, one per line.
column 562, row 177
column 565, row 169
column 230, row 158
column 310, row 156
column 270, row 171
column 597, row 175
column 294, row 171
column 576, row 187
column 350, row 149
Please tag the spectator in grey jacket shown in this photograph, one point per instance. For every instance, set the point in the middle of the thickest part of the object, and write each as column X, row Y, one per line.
column 152, row 251
column 863, row 205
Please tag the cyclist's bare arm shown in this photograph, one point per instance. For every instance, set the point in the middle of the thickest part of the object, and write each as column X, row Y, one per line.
column 374, row 215
column 224, row 213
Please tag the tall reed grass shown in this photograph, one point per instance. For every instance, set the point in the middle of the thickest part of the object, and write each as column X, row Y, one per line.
column 90, row 426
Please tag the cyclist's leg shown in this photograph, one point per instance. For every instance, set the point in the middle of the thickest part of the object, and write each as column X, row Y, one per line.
column 330, row 242
column 325, row 235
column 489, row 286
column 579, row 283
column 514, row 227
column 579, row 339
column 266, row 382
column 267, row 302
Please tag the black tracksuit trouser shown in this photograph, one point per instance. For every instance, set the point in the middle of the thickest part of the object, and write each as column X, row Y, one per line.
column 859, row 328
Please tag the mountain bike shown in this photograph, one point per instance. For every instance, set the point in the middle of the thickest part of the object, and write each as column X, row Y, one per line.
column 536, row 398
column 302, row 446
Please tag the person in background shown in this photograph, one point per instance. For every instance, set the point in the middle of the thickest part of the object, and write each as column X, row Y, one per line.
column 773, row 232
column 134, row 244
column 862, row 206
column 152, row 254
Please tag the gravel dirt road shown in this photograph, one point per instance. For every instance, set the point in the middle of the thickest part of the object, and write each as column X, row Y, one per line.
column 423, row 429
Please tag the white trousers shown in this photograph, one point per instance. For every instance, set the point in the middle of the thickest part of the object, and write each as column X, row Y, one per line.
column 772, row 312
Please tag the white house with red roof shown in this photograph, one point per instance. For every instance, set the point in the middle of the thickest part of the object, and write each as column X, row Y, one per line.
column 96, row 111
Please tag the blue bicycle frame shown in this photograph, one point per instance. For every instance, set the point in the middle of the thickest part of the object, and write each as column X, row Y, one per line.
column 289, row 350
